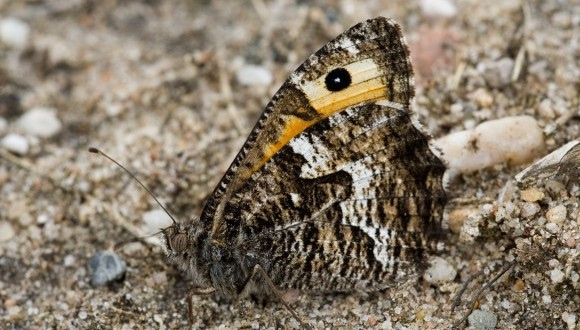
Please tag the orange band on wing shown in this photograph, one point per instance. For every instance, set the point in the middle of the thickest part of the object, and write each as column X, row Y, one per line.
column 326, row 107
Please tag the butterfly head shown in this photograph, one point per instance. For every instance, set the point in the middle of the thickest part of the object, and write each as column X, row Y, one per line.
column 180, row 239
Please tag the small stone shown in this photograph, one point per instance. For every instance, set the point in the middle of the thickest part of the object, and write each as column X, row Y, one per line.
column 482, row 320
column 15, row 143
column 441, row 8
column 512, row 140
column 556, row 214
column 83, row 315
column 254, row 75
column 155, row 220
column 41, row 122
column 545, row 109
column 532, row 195
column 498, row 74
column 552, row 227
column 546, row 299
column 6, row 231
column 529, row 210
column 14, row 32
column 519, row 286
column 571, row 242
column 106, row 266
column 69, row 260
column 556, row 275
column 458, row 216
column 439, row 271
column 483, row 98
column 569, row 319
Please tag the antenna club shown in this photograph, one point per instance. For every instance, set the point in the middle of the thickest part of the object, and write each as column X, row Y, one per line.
column 94, row 150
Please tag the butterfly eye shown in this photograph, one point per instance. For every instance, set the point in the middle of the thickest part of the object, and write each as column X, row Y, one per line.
column 178, row 242
column 337, row 80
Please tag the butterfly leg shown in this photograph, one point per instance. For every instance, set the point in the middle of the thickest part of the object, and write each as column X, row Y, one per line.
column 258, row 270
column 196, row 292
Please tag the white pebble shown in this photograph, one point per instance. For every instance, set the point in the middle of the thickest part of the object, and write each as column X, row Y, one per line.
column 69, row 260
column 254, row 75
column 6, row 231
column 552, row 227
column 546, row 299
column 556, row 275
column 513, row 140
column 529, row 209
column 83, row 315
column 556, row 214
column 570, row 319
column 40, row 122
column 155, row 220
column 482, row 320
column 439, row 271
column 442, row 8
column 505, row 304
column 15, row 143
column 14, row 32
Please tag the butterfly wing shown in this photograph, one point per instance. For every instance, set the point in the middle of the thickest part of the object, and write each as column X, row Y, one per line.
column 375, row 58
column 352, row 202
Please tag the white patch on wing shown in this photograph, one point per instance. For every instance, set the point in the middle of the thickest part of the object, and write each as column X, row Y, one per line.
column 315, row 154
column 354, row 214
column 296, row 198
column 347, row 44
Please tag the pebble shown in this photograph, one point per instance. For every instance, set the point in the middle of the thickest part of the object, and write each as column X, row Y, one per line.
column 545, row 109
column 254, row 75
column 155, row 220
column 529, row 209
column 83, row 315
column 514, row 140
column 556, row 275
column 482, row 320
column 552, row 227
column 441, row 8
column 106, row 266
column 69, row 260
column 497, row 74
column 6, row 231
column 482, row 97
column 14, row 32
column 556, row 214
column 532, row 195
column 570, row 319
column 15, row 143
column 439, row 271
column 519, row 286
column 41, row 122
column 458, row 216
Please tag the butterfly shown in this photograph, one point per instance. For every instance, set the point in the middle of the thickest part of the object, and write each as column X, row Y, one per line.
column 337, row 187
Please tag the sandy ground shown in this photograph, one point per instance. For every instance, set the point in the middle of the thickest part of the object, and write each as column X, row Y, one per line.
column 155, row 84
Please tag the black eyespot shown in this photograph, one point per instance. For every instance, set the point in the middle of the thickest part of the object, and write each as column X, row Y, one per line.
column 337, row 80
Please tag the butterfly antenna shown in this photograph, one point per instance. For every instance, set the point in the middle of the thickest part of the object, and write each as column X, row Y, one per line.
column 97, row 151
column 120, row 245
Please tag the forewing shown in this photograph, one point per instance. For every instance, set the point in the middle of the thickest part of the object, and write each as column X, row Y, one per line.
column 374, row 53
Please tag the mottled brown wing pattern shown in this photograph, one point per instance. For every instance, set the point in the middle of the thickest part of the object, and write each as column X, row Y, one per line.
column 351, row 202
column 376, row 58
